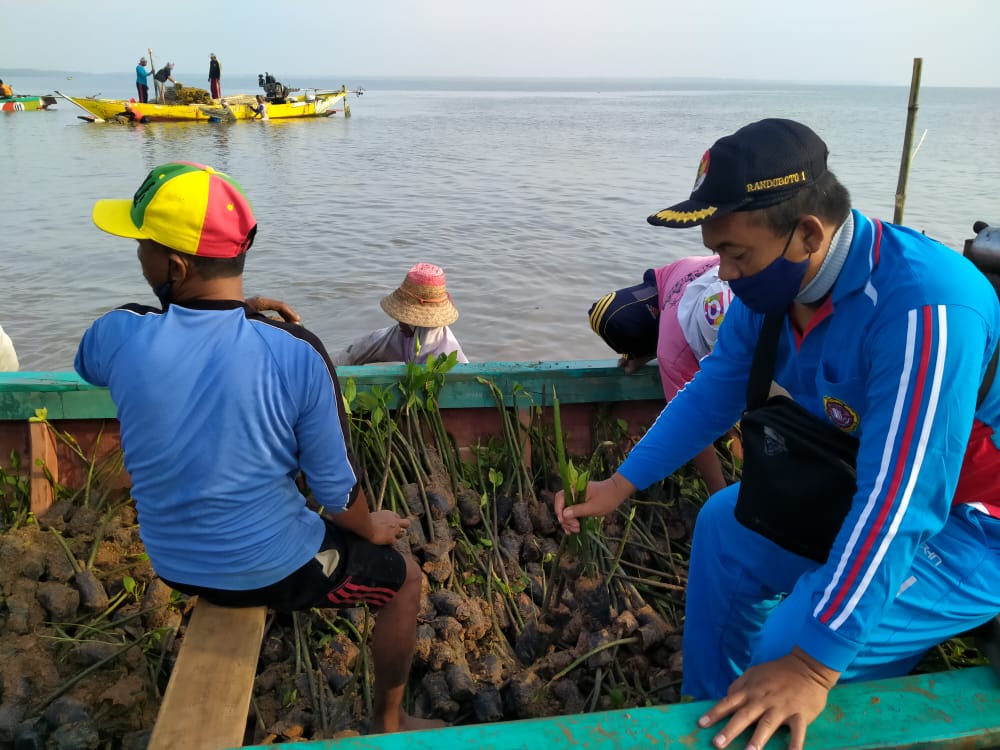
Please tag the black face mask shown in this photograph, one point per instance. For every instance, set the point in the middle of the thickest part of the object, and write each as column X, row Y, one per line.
column 165, row 293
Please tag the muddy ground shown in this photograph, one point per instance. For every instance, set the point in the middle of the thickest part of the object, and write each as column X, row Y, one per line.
column 511, row 626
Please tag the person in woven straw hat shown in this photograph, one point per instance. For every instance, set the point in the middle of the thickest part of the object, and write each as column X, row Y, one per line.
column 423, row 310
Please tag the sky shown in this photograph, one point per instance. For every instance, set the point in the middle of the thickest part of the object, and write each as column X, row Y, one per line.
column 844, row 41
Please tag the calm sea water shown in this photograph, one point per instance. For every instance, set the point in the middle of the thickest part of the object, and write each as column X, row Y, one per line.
column 532, row 195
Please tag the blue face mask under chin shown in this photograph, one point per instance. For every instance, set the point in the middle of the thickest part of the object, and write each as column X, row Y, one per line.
column 773, row 288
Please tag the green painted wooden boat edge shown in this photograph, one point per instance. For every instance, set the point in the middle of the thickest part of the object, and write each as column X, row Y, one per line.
column 945, row 711
column 66, row 396
column 957, row 710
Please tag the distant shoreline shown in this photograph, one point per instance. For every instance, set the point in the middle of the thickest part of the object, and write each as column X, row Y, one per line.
column 491, row 82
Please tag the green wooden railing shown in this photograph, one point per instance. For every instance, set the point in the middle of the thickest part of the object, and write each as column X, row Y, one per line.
column 944, row 711
column 66, row 396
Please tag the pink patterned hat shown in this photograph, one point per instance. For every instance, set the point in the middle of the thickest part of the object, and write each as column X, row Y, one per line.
column 422, row 299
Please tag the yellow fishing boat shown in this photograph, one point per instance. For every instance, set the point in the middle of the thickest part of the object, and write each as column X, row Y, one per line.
column 308, row 103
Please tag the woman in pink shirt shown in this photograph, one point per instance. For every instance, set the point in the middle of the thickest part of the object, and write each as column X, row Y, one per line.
column 673, row 315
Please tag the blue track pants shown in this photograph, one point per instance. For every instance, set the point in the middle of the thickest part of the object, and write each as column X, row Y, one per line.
column 742, row 598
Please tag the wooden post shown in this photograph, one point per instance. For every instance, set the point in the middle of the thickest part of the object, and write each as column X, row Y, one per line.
column 911, row 119
column 43, row 456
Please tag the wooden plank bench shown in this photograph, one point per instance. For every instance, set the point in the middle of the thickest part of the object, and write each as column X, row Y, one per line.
column 208, row 695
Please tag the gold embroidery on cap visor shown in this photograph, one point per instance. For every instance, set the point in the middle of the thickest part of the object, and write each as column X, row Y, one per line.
column 699, row 215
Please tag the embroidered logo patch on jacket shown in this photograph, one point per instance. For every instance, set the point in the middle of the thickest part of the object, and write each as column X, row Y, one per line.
column 840, row 414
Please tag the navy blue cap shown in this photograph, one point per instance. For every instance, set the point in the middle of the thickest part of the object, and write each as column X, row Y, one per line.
column 760, row 165
column 629, row 319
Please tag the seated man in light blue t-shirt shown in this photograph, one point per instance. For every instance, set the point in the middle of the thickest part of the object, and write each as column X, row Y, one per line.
column 221, row 408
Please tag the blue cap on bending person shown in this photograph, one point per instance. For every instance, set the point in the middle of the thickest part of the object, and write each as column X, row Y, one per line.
column 628, row 319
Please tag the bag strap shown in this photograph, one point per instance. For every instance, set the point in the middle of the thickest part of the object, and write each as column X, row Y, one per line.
column 988, row 377
column 764, row 356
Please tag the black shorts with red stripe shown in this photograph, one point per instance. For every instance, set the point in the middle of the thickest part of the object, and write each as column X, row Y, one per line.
column 346, row 571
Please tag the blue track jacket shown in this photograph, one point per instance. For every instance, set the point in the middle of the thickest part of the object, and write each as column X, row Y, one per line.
column 895, row 356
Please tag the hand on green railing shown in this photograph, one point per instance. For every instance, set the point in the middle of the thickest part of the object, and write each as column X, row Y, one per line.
column 791, row 691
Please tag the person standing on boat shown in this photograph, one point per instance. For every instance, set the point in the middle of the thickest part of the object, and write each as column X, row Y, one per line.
column 674, row 316
column 241, row 405
column 141, row 80
column 861, row 355
column 163, row 75
column 423, row 309
column 215, row 76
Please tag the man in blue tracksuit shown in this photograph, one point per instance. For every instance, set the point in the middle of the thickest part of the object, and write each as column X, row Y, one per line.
column 883, row 337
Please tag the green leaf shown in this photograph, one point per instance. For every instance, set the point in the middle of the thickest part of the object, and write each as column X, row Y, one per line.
column 564, row 468
column 617, row 697
column 350, row 390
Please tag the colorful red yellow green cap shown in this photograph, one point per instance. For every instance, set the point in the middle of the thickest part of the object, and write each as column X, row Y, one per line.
column 187, row 207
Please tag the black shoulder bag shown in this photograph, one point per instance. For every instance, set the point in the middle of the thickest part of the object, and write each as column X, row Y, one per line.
column 799, row 475
column 798, row 471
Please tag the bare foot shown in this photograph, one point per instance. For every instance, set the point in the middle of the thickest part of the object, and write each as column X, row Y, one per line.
column 409, row 723
column 406, row 723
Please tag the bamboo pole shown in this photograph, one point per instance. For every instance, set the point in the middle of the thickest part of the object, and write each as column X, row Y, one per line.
column 911, row 119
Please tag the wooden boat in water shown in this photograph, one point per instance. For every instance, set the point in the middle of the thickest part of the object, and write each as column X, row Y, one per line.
column 940, row 711
column 308, row 103
column 26, row 103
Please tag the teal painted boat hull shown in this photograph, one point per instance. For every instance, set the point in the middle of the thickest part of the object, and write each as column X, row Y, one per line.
column 957, row 710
